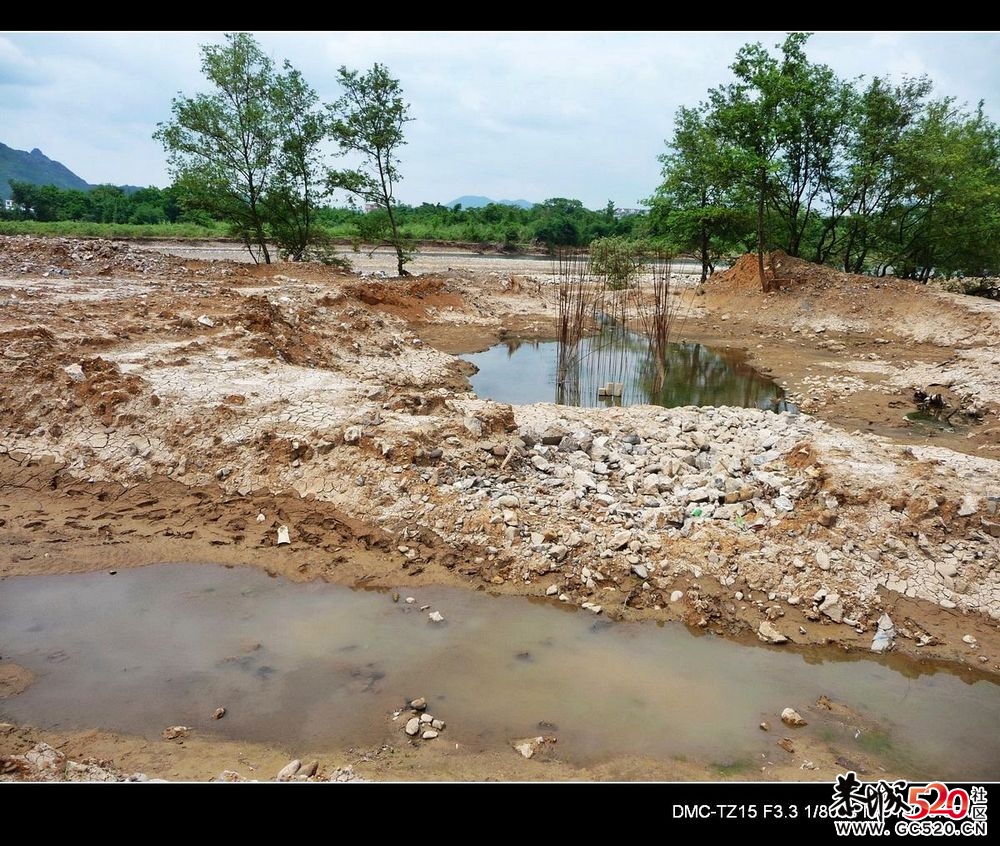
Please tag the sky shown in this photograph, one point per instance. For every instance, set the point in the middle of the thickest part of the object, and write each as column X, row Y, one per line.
column 504, row 114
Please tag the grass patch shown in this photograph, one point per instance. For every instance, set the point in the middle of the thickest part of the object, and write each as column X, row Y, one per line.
column 85, row 229
column 740, row 766
column 876, row 743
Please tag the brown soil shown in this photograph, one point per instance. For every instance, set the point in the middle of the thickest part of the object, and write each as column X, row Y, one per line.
column 130, row 435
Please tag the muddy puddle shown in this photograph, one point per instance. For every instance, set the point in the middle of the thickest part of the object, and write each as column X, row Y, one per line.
column 316, row 665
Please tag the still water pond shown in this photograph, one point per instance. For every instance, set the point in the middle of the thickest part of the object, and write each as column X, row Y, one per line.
column 523, row 372
column 324, row 665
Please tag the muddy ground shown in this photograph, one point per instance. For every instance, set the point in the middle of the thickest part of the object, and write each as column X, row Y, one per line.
column 156, row 406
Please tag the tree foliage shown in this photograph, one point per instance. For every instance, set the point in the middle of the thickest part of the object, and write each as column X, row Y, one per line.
column 245, row 152
column 876, row 178
column 368, row 121
column 697, row 206
column 100, row 204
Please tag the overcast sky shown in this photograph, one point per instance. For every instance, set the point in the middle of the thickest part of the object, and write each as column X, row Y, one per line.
column 508, row 115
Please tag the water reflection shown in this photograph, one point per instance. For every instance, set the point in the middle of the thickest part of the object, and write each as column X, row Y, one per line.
column 521, row 372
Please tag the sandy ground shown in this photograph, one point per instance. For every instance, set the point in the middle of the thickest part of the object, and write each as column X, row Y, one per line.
column 154, row 403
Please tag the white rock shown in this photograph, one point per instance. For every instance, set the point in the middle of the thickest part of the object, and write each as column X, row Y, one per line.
column 791, row 717
column 283, row 536
column 75, row 372
column 676, row 596
column 885, row 635
column 430, row 734
column 205, row 320
column 528, row 746
column 969, row 639
column 969, row 506
column 435, row 617
column 412, row 726
column 769, row 634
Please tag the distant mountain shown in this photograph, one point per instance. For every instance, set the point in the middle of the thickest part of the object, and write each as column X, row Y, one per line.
column 474, row 202
column 35, row 168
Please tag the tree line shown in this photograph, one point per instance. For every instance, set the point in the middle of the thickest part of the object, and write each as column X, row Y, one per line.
column 874, row 176
column 100, row 204
column 555, row 223
column 871, row 177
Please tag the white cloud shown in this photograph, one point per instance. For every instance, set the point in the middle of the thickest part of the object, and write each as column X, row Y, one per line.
column 511, row 114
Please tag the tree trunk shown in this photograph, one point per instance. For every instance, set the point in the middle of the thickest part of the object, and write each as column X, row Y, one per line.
column 704, row 255
column 400, row 258
column 764, row 285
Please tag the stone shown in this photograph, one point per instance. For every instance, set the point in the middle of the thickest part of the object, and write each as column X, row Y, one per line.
column 640, row 570
column 308, row 770
column 205, row 320
column 528, row 746
column 969, row 639
column 784, row 503
column 283, row 537
column 551, row 590
column 968, row 506
column 791, row 717
column 429, row 734
column 412, row 727
column 418, row 704
column 676, row 596
column 75, row 372
column 991, row 527
column 832, row 608
column 175, row 732
column 435, row 617
column 289, row 771
column 619, row 540
column 352, row 434
column 218, row 713
column 768, row 633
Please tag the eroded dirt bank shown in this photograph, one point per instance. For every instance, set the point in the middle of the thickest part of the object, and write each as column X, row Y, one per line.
column 159, row 408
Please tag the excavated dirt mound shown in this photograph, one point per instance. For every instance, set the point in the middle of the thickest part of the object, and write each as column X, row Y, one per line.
column 787, row 273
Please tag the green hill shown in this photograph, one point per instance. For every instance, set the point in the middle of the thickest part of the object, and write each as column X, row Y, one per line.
column 35, row 168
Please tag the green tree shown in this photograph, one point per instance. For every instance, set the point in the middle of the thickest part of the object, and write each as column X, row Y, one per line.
column 873, row 183
column 947, row 221
column 697, row 207
column 559, row 222
column 782, row 119
column 237, row 152
column 296, row 188
column 368, row 121
column 619, row 260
